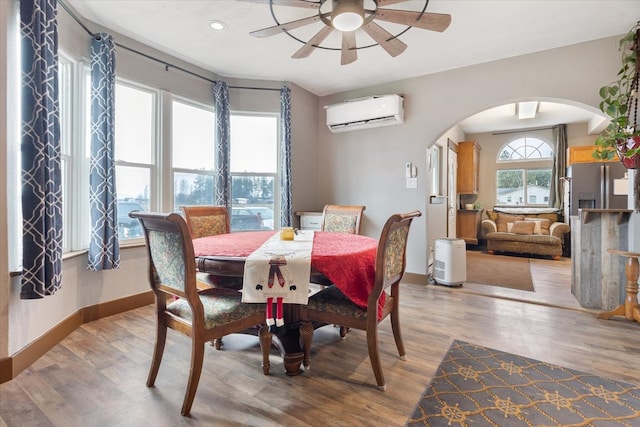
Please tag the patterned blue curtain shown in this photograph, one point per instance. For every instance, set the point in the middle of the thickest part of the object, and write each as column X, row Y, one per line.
column 222, row 171
column 104, row 250
column 286, row 216
column 41, row 151
column 559, row 166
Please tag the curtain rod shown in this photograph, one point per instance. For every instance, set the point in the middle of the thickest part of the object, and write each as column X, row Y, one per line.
column 166, row 64
column 524, row 130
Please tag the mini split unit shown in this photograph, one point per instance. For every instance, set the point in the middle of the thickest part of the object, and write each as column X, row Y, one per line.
column 362, row 113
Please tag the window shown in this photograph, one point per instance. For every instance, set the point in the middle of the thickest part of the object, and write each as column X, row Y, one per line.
column 254, row 171
column 193, row 160
column 134, row 154
column 530, row 184
column 75, row 139
column 66, row 116
column 160, row 165
column 526, row 149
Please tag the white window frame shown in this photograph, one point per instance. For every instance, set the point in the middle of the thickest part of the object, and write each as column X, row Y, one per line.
column 526, row 165
column 277, row 190
column 170, row 167
column 74, row 131
column 156, row 192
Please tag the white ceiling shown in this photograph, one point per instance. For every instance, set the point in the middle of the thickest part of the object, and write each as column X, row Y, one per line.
column 480, row 31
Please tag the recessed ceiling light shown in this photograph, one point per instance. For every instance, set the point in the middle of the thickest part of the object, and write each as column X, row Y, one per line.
column 217, row 25
column 527, row 110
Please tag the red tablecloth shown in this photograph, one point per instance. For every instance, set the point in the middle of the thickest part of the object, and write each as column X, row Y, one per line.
column 347, row 260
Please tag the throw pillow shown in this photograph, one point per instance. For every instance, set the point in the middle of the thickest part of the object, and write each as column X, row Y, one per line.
column 538, row 225
column 523, row 227
column 546, row 225
column 503, row 219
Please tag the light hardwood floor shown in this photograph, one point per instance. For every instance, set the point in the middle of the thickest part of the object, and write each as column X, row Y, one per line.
column 96, row 376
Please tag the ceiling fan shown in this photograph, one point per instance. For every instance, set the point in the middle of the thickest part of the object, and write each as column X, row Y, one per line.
column 347, row 16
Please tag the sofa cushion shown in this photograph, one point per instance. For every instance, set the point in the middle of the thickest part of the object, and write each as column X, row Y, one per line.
column 492, row 215
column 551, row 217
column 504, row 219
column 535, row 213
column 541, row 225
column 533, row 238
column 522, row 227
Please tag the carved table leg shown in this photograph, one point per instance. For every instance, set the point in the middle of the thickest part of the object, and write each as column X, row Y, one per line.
column 306, row 337
column 265, row 345
column 630, row 308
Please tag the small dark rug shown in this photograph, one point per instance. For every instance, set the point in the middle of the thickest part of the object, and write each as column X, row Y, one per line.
column 499, row 270
column 476, row 386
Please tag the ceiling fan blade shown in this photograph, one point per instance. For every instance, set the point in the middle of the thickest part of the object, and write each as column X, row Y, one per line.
column 292, row 3
column 428, row 21
column 385, row 39
column 310, row 46
column 349, row 52
column 277, row 29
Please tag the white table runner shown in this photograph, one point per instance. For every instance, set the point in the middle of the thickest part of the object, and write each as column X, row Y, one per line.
column 279, row 269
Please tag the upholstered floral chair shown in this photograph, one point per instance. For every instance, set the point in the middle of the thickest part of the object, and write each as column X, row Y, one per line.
column 202, row 315
column 331, row 306
column 342, row 219
column 206, row 220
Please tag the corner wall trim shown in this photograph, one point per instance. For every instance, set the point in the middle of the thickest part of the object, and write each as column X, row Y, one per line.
column 11, row 367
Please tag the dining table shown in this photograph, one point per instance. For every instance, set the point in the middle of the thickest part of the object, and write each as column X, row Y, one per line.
column 344, row 260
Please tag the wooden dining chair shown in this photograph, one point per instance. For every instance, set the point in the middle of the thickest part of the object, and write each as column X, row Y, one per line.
column 331, row 306
column 206, row 220
column 203, row 221
column 342, row 219
column 200, row 315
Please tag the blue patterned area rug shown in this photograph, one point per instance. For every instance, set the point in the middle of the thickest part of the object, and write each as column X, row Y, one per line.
column 476, row 386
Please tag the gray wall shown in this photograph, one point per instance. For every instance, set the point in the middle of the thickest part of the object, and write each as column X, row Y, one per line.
column 367, row 166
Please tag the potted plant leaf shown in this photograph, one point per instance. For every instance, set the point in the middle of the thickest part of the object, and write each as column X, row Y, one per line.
column 620, row 102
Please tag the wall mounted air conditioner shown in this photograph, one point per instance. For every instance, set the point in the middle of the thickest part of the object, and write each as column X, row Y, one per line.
column 370, row 112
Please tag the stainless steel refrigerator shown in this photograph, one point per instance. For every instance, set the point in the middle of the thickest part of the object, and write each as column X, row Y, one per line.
column 592, row 186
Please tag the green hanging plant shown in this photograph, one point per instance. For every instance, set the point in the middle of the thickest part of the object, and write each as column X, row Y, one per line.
column 619, row 101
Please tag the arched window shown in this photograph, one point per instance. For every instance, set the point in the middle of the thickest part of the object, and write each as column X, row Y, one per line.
column 531, row 148
column 529, row 183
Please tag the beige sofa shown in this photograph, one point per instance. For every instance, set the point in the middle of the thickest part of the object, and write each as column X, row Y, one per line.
column 524, row 231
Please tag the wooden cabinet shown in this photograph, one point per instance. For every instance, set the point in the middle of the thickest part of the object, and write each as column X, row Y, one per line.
column 468, row 225
column 468, row 174
column 584, row 154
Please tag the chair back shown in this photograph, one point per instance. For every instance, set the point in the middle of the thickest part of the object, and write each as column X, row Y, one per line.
column 342, row 219
column 172, row 267
column 206, row 220
column 391, row 257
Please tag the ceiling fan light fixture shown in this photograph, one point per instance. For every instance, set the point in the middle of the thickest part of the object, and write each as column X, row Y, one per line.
column 347, row 15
